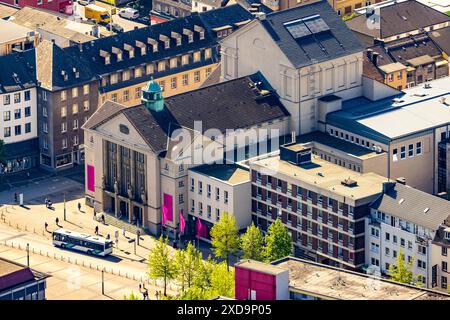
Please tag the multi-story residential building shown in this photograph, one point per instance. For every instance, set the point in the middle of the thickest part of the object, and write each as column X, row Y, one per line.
column 395, row 20
column 323, row 205
column 205, row 5
column 64, row 6
column 298, row 279
column 134, row 164
column 172, row 8
column 218, row 188
column 14, row 38
column 406, row 62
column 405, row 220
column 74, row 80
column 305, row 53
column 440, row 258
column 412, row 127
column 18, row 105
column 19, row 282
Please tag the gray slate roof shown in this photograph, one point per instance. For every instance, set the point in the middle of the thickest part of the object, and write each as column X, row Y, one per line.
column 227, row 105
column 413, row 206
column 338, row 41
column 17, row 71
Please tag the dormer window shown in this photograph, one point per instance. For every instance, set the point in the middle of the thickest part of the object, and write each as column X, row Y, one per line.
column 177, row 37
column 185, row 59
column 208, row 53
column 166, row 41
column 142, row 46
column 106, row 56
column 197, row 56
column 190, row 35
column 118, row 53
column 153, row 43
column 201, row 31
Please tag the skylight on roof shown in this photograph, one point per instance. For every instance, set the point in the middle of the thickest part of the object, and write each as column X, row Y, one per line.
column 297, row 29
column 316, row 24
column 304, row 27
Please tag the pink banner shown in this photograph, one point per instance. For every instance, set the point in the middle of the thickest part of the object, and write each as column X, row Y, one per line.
column 90, row 178
column 164, row 215
column 168, row 203
column 182, row 222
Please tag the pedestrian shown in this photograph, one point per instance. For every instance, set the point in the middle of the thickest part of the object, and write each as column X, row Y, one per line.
column 46, row 226
column 124, row 232
column 95, row 215
column 57, row 221
column 107, row 236
column 79, row 206
column 156, row 294
column 96, row 230
column 103, row 218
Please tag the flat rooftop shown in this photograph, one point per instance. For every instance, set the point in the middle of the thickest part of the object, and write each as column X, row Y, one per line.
column 340, row 145
column 326, row 176
column 10, row 31
column 335, row 283
column 414, row 110
column 229, row 173
column 260, row 266
column 6, row 11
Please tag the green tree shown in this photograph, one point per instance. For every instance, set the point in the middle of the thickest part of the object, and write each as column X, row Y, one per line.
column 278, row 242
column 252, row 243
column 161, row 264
column 132, row 296
column 187, row 263
column 225, row 238
column 402, row 271
column 222, row 281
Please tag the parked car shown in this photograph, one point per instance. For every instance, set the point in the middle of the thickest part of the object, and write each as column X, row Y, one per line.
column 144, row 20
column 129, row 13
column 85, row 2
column 114, row 28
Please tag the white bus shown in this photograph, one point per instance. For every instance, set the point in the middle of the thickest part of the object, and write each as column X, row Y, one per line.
column 94, row 245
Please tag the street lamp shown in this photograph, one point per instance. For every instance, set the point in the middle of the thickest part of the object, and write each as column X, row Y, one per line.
column 103, row 281
column 65, row 206
column 28, row 254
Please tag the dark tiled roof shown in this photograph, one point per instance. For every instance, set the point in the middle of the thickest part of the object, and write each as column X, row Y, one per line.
column 442, row 38
column 227, row 105
column 415, row 46
column 439, row 237
column 17, row 71
column 13, row 274
column 398, row 18
column 417, row 206
column 338, row 41
column 86, row 57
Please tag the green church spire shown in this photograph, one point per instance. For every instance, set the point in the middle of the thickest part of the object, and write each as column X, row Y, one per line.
column 152, row 96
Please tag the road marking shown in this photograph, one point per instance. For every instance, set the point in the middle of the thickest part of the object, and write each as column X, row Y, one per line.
column 14, row 237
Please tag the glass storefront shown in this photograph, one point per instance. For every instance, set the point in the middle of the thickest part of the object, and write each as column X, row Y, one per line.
column 18, row 164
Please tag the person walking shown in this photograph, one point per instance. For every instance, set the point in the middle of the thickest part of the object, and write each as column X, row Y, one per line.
column 96, row 230
column 103, row 218
column 46, row 226
column 79, row 206
column 95, row 215
column 107, row 236
column 57, row 221
column 124, row 233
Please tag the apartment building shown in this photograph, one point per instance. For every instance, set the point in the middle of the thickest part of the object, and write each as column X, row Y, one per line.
column 74, row 80
column 406, row 62
column 298, row 279
column 393, row 20
column 14, row 38
column 134, row 164
column 411, row 127
column 404, row 219
column 18, row 105
column 440, row 258
column 323, row 205
column 305, row 53
column 205, row 5
column 172, row 8
column 64, row 6
column 218, row 188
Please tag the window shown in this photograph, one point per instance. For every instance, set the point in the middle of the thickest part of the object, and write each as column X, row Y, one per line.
column 75, row 124
column 27, row 112
column 403, row 152
column 444, row 266
column 6, row 99
column 394, row 253
column 162, row 84
column 180, row 198
column 137, row 93
column 27, row 95
column 86, row 89
column 44, row 95
column 444, row 282
column 173, row 83
column 86, row 105
column 185, row 59
column 173, row 63
column 208, row 190
column 63, row 127
column 208, row 53
column 74, row 92
column 421, row 264
column 75, row 108
column 126, row 95
column 63, row 95
column 444, row 251
column 7, row 132
column 410, row 150
column 44, row 127
column 197, row 76
column 217, row 194
column 17, row 114
column 200, row 187
column 402, row 242
column 126, row 75
column 387, row 251
column 28, row 127
column 75, row 140
column 192, row 184
column 418, row 148
column 185, row 79
column 208, row 211
column 217, row 214
column 225, row 196
column 161, row 65
column 64, row 143
column 394, row 239
column 114, row 97
column 208, row 72
column 197, row 56
column 422, row 249
column 6, row 115
column 180, row 168
column 17, row 97
column 375, row 232
column 18, row 130
column 395, row 155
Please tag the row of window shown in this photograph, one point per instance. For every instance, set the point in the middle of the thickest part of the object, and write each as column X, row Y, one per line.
column 17, row 130
column 75, row 108
column 64, row 126
column 208, row 212
column 75, row 92
column 17, row 97
column 350, row 138
column 17, row 114
column 339, row 162
column 418, row 150
column 217, row 192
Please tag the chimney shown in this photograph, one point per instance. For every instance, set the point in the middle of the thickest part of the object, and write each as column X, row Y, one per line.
column 117, row 52
column 166, row 40
column 80, row 46
column 200, row 30
column 293, row 136
column 401, row 180
column 76, row 72
column 153, row 43
column 143, row 47
column 388, row 186
column 176, row 36
column 189, row 33
column 370, row 54
column 130, row 50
